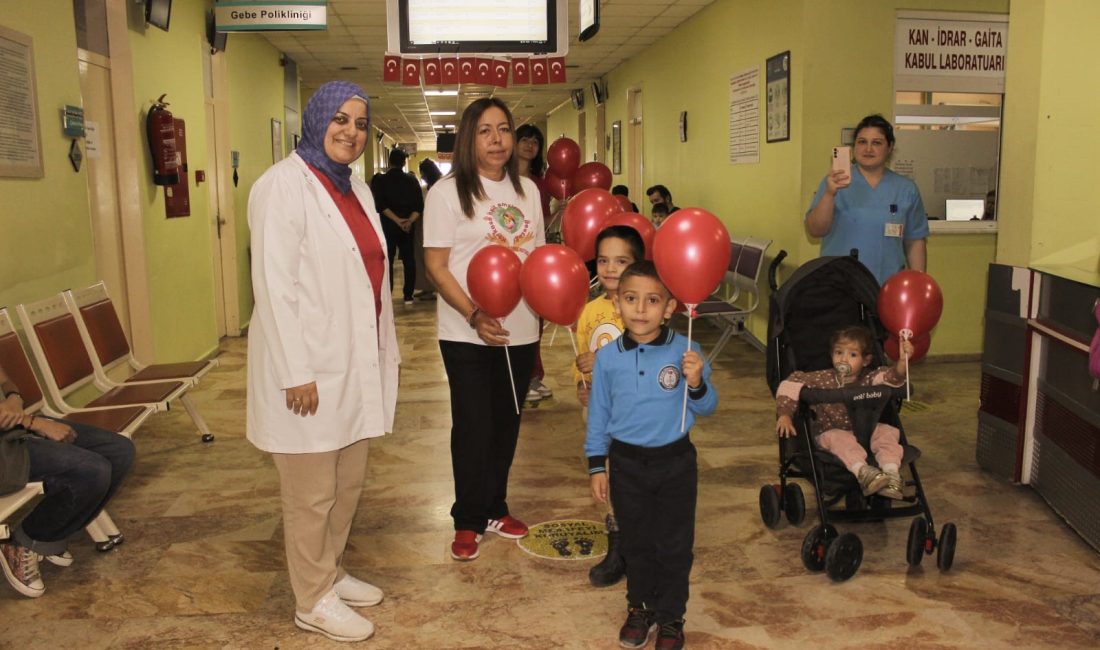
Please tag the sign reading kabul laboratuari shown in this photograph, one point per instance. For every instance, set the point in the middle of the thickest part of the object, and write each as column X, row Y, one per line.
column 247, row 16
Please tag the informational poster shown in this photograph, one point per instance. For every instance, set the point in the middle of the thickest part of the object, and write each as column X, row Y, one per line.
column 950, row 52
column 20, row 146
column 91, row 139
column 777, row 72
column 744, row 135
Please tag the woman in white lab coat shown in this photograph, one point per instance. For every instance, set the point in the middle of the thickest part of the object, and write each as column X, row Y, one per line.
column 322, row 350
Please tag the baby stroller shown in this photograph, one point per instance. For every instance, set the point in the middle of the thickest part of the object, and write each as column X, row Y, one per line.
column 821, row 297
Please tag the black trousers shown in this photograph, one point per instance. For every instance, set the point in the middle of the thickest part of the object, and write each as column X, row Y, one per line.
column 399, row 240
column 484, row 426
column 653, row 491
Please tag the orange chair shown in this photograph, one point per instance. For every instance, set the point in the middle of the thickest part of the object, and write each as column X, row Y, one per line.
column 66, row 365
column 122, row 419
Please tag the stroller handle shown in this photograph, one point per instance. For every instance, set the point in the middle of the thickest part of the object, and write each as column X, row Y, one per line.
column 773, row 268
column 852, row 395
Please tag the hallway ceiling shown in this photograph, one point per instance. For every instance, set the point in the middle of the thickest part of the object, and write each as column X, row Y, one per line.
column 355, row 42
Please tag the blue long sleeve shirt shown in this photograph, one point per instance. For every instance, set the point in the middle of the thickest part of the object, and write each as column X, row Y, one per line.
column 637, row 394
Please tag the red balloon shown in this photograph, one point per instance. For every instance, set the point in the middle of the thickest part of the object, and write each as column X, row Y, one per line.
column 692, row 253
column 493, row 280
column 643, row 226
column 563, row 157
column 558, row 187
column 592, row 174
column 920, row 347
column 624, row 201
column 555, row 283
column 910, row 300
column 585, row 216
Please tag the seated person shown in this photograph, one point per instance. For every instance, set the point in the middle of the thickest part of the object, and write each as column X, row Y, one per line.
column 832, row 426
column 990, row 210
column 80, row 467
column 660, row 213
column 623, row 190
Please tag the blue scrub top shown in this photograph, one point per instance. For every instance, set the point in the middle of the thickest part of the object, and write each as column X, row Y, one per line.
column 861, row 216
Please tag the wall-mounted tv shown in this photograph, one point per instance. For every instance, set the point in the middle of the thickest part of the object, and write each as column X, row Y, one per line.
column 445, row 142
column 478, row 26
column 158, row 13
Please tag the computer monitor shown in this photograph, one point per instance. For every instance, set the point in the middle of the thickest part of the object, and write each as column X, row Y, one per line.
column 965, row 209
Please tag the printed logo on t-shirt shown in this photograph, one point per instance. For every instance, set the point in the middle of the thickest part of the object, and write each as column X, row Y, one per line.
column 509, row 228
column 669, row 377
column 604, row 334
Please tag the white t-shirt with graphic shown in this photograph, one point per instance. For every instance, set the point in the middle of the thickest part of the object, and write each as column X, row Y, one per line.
column 503, row 218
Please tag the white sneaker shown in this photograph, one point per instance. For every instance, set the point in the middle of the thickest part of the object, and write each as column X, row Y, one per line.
column 357, row 593
column 334, row 619
column 542, row 389
column 61, row 559
column 533, row 395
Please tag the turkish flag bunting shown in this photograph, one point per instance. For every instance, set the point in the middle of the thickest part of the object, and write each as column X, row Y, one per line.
column 391, row 68
column 500, row 74
column 557, row 69
column 467, row 70
column 410, row 72
column 521, row 71
column 484, row 71
column 539, row 75
column 450, row 70
column 432, row 73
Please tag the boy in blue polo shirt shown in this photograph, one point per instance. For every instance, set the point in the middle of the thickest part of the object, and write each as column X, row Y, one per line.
column 634, row 414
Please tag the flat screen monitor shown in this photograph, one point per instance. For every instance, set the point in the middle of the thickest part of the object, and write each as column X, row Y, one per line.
column 965, row 209
column 478, row 26
column 158, row 13
column 445, row 142
column 588, row 14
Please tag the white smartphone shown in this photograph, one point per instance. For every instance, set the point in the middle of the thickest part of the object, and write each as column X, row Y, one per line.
column 842, row 158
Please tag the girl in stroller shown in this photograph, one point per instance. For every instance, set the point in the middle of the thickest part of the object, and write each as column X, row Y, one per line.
column 852, row 353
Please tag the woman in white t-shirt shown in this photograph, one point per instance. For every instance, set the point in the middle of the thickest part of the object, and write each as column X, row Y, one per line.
column 483, row 201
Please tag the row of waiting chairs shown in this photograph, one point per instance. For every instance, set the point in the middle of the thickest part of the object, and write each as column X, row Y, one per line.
column 78, row 341
column 740, row 294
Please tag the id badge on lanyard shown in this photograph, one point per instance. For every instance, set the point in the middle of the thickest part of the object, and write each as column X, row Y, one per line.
column 894, row 229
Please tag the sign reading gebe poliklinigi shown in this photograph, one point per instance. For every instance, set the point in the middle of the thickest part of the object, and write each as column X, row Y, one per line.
column 957, row 52
column 252, row 16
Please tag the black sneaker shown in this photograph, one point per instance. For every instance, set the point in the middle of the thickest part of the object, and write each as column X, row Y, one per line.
column 639, row 626
column 671, row 636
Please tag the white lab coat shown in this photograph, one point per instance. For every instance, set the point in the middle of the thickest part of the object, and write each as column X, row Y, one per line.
column 314, row 318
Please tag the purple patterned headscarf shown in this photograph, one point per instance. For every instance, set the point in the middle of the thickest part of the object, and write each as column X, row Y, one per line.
column 320, row 109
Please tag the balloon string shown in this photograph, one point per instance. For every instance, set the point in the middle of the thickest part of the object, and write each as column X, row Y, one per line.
column 577, row 354
column 905, row 357
column 684, row 410
column 552, row 335
column 511, row 379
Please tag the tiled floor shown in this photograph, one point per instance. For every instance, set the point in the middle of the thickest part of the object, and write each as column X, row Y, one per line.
column 202, row 566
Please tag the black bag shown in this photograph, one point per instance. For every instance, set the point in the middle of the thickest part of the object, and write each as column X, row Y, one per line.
column 15, row 462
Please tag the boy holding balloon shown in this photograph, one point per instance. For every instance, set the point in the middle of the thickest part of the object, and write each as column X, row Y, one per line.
column 617, row 247
column 832, row 427
column 634, row 424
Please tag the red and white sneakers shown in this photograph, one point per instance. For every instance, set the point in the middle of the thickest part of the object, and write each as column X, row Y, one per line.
column 507, row 526
column 465, row 546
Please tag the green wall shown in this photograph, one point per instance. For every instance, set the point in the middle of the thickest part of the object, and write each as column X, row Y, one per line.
column 178, row 251
column 1050, row 139
column 841, row 69
column 46, row 241
column 255, row 98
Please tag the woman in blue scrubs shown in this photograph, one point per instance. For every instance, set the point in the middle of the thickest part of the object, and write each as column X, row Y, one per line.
column 870, row 208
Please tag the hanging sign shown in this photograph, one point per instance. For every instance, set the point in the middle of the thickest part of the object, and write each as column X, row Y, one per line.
column 248, row 16
column 950, row 52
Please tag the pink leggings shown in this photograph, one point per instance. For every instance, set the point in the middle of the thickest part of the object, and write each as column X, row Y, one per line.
column 843, row 444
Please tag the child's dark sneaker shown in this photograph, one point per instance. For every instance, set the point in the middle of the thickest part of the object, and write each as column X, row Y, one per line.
column 639, row 625
column 612, row 568
column 871, row 479
column 671, row 635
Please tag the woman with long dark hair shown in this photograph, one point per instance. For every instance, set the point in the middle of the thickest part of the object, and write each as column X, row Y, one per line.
column 482, row 202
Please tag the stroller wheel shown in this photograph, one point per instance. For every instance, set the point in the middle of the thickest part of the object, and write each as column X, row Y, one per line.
column 844, row 557
column 794, row 504
column 816, row 545
column 769, row 505
column 945, row 551
column 914, row 550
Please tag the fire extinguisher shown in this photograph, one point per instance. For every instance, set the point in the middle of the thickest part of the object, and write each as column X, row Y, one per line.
column 161, row 131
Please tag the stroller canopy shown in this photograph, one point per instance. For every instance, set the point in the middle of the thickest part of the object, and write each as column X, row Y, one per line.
column 822, row 296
